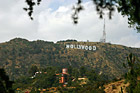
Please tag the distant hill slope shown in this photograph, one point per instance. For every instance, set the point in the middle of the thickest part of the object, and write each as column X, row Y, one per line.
column 17, row 56
column 115, row 87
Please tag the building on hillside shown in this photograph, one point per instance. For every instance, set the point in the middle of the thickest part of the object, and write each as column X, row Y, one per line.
column 83, row 81
column 64, row 77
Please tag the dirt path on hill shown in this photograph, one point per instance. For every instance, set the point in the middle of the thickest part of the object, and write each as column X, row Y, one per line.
column 115, row 87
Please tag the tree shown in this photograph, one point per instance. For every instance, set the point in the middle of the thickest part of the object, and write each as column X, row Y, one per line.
column 33, row 69
column 82, row 71
column 129, row 8
column 5, row 83
column 92, row 76
column 131, row 76
column 46, row 80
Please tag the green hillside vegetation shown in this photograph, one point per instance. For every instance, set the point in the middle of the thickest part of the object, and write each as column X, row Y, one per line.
column 18, row 55
column 50, row 79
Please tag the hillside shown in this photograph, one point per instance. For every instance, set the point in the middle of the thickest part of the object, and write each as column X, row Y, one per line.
column 18, row 55
column 115, row 87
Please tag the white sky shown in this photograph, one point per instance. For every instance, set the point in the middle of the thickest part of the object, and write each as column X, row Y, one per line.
column 52, row 22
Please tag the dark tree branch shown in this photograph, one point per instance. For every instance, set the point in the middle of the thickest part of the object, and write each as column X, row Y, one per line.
column 129, row 8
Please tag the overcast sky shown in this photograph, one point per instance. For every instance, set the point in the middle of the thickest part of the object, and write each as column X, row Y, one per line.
column 52, row 22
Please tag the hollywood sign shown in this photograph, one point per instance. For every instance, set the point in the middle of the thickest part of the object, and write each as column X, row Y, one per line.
column 84, row 47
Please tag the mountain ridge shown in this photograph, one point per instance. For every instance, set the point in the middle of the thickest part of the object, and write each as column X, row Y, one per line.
column 18, row 55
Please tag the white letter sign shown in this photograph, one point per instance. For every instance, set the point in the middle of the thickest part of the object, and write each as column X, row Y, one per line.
column 84, row 47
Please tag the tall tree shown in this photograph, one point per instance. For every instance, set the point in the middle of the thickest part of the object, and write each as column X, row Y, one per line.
column 131, row 76
column 5, row 83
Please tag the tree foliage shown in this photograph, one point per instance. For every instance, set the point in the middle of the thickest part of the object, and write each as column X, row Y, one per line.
column 32, row 70
column 132, row 74
column 129, row 8
column 50, row 79
column 5, row 83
